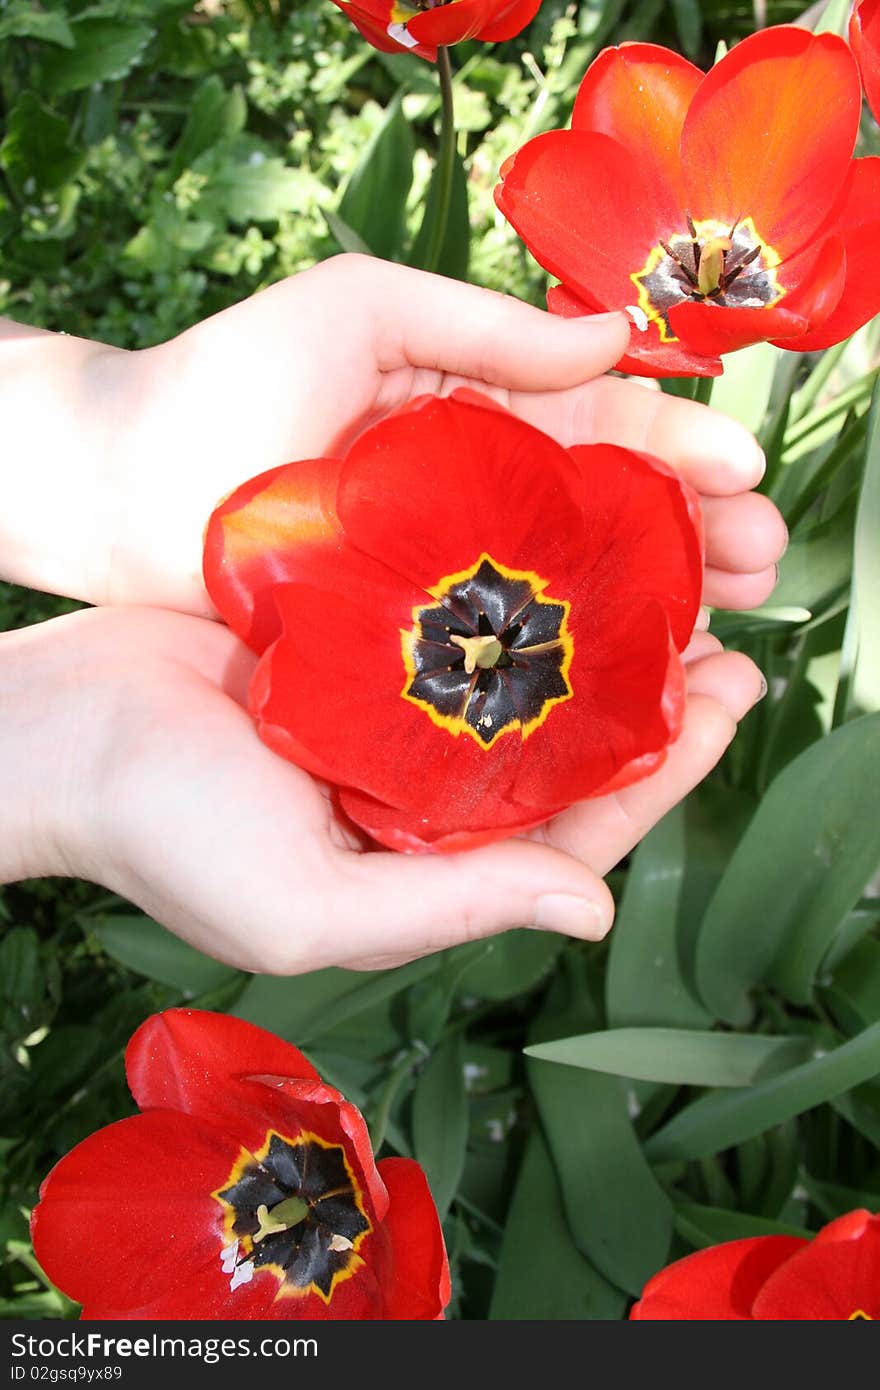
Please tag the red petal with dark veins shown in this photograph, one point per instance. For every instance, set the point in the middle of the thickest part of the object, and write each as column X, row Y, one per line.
column 864, row 37
column 718, row 1284
column 273, row 529
column 180, row 1059
column 716, row 329
column 770, row 134
column 128, row 1217
column 421, row 491
column 379, row 740
column 648, row 355
column 860, row 230
column 588, row 212
column 629, row 696
column 639, row 94
column 834, row 1277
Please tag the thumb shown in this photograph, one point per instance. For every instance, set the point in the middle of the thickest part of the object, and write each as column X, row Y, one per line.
column 424, row 320
column 400, row 906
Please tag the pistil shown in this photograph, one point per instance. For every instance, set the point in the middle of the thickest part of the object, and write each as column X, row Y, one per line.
column 282, row 1217
column 478, row 651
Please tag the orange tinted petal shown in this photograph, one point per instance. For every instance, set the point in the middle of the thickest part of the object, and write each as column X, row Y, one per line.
column 770, row 134
column 864, row 37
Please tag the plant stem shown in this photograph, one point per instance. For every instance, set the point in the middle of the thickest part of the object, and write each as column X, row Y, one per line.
column 445, row 161
column 703, row 389
column 396, row 1077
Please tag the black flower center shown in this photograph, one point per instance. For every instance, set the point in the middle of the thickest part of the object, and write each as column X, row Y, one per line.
column 711, row 263
column 492, row 654
column 293, row 1208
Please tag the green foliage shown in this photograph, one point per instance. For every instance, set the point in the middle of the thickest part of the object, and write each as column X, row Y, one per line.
column 585, row 1113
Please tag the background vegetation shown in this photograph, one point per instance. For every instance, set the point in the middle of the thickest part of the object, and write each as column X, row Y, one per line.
column 159, row 162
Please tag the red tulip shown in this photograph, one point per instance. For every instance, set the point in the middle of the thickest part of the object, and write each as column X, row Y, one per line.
column 245, row 1189
column 836, row 1275
column 463, row 626
column 726, row 208
column 864, row 37
column 423, row 26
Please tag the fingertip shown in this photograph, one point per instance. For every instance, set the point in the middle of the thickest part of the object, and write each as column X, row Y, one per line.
column 731, row 679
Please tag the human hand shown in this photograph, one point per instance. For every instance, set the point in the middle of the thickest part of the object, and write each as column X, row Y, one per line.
column 136, row 766
column 297, row 370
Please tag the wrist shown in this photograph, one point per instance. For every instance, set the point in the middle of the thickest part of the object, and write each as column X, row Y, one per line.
column 50, row 730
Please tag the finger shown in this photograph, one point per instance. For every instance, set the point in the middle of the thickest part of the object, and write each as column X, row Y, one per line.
column 731, row 678
column 404, row 906
column 601, row 832
column 721, row 589
column 744, row 533
column 427, row 321
column 701, row 644
column 714, row 453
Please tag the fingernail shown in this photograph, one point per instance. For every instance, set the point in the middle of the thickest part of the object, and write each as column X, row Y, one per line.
column 563, row 912
column 764, row 688
column 702, row 623
column 762, row 459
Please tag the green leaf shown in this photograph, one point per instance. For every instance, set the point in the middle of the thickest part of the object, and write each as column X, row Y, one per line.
column 681, row 1056
column 308, row 1006
column 866, row 574
column 817, row 564
column 142, row 945
column 247, row 183
column 644, row 982
column 854, row 992
column 511, row 963
column 703, row 1226
column 440, row 1122
column 793, row 878
column 374, row 201
column 541, row 1273
column 744, row 389
column 215, row 114
column 455, row 252
column 63, row 1060
column 347, row 238
column 37, row 152
column 22, row 988
column 722, row 1119
column 105, row 50
column 23, row 21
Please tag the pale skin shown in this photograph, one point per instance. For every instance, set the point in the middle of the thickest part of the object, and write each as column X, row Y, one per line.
column 122, row 728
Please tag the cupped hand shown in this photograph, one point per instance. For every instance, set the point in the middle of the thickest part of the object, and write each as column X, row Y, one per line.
column 299, row 369
column 138, row 767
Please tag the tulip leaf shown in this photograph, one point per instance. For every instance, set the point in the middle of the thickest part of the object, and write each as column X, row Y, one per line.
column 644, row 983
column 440, row 1122
column 678, row 1056
column 816, row 566
column 793, row 878
column 865, row 692
column 722, row 1119
column 541, row 1273
column 455, row 248
column 374, row 201
column 854, row 992
column 309, row 1006
column 142, row 945
column 510, row 963
column 702, row 1226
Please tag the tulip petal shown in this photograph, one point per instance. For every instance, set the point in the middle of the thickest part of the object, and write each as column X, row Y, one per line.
column 647, row 355
column 859, row 229
column 836, row 1276
column 416, row 1285
column 639, row 94
column 422, row 491
column 629, row 696
column 588, row 212
column 715, row 328
column 717, row 1284
column 864, row 38
column 489, row 20
column 770, row 133
column 180, row 1059
column 128, row 1216
column 381, row 743
column 274, row 529
column 642, row 536
column 411, row 832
